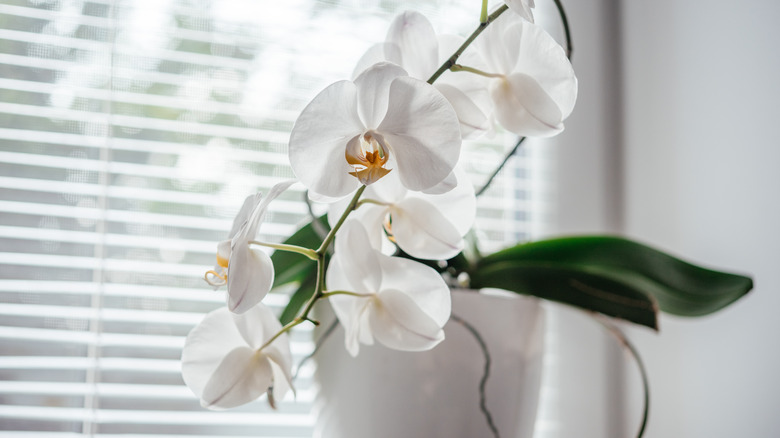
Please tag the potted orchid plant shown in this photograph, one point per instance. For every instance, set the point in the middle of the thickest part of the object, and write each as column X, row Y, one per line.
column 382, row 150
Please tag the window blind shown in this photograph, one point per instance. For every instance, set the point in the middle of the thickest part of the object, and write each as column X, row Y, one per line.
column 130, row 132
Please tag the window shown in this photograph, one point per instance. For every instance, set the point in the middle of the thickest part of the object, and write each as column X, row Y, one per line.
column 130, row 132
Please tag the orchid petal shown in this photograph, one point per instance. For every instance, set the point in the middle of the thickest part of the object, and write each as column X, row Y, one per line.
column 399, row 323
column 372, row 217
column 258, row 213
column 522, row 8
column 365, row 336
column 257, row 325
column 445, row 186
column 413, row 34
column 423, row 284
column 448, row 44
column 319, row 197
column 250, row 277
column 500, row 44
column 545, row 60
column 524, row 108
column 250, row 272
column 242, row 376
column 388, row 190
column 336, row 278
column 223, row 251
column 244, row 213
column 423, row 131
column 375, row 54
column 359, row 259
column 458, row 205
column 423, row 232
column 472, row 120
column 529, row 49
column 350, row 312
column 319, row 137
column 221, row 363
column 206, row 345
column 373, row 88
column 282, row 381
column 281, row 366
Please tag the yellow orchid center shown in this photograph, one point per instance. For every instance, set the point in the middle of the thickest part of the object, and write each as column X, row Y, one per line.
column 368, row 156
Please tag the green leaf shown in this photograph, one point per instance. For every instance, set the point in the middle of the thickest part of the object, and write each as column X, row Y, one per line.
column 610, row 275
column 300, row 296
column 293, row 267
column 572, row 286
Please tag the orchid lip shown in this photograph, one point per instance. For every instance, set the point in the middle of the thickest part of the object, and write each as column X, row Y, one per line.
column 368, row 154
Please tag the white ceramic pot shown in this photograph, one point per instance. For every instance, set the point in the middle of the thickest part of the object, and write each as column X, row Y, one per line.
column 385, row 393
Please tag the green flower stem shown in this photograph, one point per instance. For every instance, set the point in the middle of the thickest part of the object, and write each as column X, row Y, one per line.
column 612, row 328
column 458, row 67
column 304, row 316
column 496, row 171
column 371, row 201
column 310, row 253
column 344, row 292
column 483, row 16
column 454, row 58
column 332, row 234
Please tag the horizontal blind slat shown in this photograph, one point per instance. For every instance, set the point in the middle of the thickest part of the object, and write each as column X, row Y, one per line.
column 120, row 120
column 147, row 99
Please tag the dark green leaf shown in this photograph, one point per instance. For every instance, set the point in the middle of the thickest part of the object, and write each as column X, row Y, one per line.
column 611, row 275
column 570, row 286
column 292, row 267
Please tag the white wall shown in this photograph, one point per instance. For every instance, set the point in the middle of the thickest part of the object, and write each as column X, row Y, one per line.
column 702, row 175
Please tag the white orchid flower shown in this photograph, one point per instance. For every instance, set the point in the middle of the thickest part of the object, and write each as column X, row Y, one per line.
column 401, row 303
column 247, row 271
column 412, row 43
column 355, row 133
column 533, row 87
column 425, row 226
column 522, row 8
column 223, row 362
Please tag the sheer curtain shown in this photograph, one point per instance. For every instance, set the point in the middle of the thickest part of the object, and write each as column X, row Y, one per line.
column 130, row 132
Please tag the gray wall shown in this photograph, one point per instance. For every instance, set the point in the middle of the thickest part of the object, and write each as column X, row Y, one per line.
column 675, row 141
column 701, row 179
